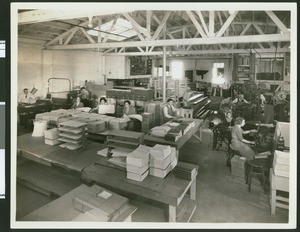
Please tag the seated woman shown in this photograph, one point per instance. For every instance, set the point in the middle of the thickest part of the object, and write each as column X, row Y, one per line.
column 135, row 119
column 238, row 142
column 77, row 104
column 98, row 103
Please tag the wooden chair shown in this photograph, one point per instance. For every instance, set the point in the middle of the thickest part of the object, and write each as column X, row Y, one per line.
column 257, row 167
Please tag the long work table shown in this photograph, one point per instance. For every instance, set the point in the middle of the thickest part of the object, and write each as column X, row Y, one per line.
column 94, row 168
column 152, row 140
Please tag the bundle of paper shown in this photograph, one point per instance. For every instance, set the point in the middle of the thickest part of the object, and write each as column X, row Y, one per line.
column 51, row 137
column 137, row 163
column 101, row 202
column 118, row 124
column 147, row 121
column 121, row 152
column 184, row 171
column 96, row 126
column 174, row 134
column 160, row 131
column 281, row 163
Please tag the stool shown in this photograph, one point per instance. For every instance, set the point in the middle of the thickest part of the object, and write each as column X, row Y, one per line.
column 257, row 167
column 231, row 152
column 186, row 112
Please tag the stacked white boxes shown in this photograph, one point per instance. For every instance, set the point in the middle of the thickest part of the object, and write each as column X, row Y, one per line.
column 162, row 160
column 137, row 163
column 281, row 163
column 51, row 137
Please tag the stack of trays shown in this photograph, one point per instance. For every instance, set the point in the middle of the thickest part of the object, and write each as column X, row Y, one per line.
column 137, row 163
column 162, row 160
column 184, row 171
column 238, row 167
column 51, row 137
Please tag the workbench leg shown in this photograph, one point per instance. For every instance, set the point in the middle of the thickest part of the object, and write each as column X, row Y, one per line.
column 193, row 190
column 273, row 201
column 172, row 213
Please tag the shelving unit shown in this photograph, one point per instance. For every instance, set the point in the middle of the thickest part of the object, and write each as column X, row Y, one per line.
column 124, row 139
column 245, row 68
column 73, row 134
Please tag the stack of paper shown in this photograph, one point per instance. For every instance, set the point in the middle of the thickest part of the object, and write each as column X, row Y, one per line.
column 162, row 160
column 281, row 163
column 101, row 203
column 137, row 163
column 51, row 137
column 174, row 134
column 118, row 124
column 184, row 171
column 238, row 167
column 96, row 126
column 160, row 131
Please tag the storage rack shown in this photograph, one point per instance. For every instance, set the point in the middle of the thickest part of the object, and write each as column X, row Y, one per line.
column 73, row 134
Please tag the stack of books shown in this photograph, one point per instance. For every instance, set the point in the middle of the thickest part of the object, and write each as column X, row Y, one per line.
column 174, row 134
column 281, row 163
column 147, row 122
column 184, row 171
column 162, row 160
column 99, row 203
column 51, row 137
column 137, row 163
column 238, row 167
column 118, row 124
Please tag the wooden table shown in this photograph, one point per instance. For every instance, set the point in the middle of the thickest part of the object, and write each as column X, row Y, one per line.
column 151, row 140
column 169, row 190
column 62, row 209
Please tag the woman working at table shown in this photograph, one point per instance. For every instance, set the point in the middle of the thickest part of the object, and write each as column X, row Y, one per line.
column 238, row 142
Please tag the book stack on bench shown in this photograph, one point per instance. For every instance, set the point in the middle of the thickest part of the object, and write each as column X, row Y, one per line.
column 184, row 171
column 137, row 163
column 51, row 137
column 96, row 126
column 162, row 160
column 281, row 163
column 118, row 124
column 97, row 203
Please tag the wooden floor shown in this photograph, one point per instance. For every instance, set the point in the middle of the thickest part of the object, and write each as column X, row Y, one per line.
column 220, row 197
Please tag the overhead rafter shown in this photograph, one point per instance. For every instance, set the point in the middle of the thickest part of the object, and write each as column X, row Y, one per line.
column 188, row 41
column 87, row 35
column 162, row 24
column 226, row 24
column 136, row 25
column 211, row 23
column 277, row 21
column 71, row 36
column 246, row 29
column 196, row 23
column 202, row 21
column 262, row 33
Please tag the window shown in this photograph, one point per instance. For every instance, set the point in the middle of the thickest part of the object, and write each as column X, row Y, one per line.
column 218, row 73
column 177, row 70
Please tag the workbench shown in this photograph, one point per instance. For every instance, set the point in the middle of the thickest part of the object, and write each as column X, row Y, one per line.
column 169, row 190
column 62, row 209
column 96, row 169
column 151, row 140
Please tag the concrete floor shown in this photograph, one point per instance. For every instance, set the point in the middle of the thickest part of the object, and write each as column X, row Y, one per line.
column 220, row 197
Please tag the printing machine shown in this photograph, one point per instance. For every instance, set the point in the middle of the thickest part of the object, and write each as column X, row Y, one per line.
column 200, row 105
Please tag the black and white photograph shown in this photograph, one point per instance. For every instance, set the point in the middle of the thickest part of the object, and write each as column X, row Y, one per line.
column 153, row 115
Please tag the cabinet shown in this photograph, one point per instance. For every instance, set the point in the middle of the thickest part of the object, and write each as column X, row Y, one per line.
column 245, row 67
column 124, row 139
column 73, row 134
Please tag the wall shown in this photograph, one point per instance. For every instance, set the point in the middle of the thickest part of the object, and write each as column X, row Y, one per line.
column 36, row 66
column 204, row 64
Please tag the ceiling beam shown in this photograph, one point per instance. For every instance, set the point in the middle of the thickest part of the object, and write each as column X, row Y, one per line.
column 39, row 31
column 199, row 52
column 87, row 35
column 188, row 41
column 245, row 29
column 136, row 25
column 149, row 16
column 262, row 33
column 70, row 36
column 211, row 24
column 110, row 29
column 162, row 24
column 278, row 22
column 36, row 16
column 196, row 23
column 202, row 21
column 226, row 24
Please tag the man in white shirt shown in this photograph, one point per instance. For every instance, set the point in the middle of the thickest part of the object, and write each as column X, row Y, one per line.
column 26, row 97
column 169, row 111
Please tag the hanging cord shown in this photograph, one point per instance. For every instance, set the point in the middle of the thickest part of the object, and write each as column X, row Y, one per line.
column 275, row 60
